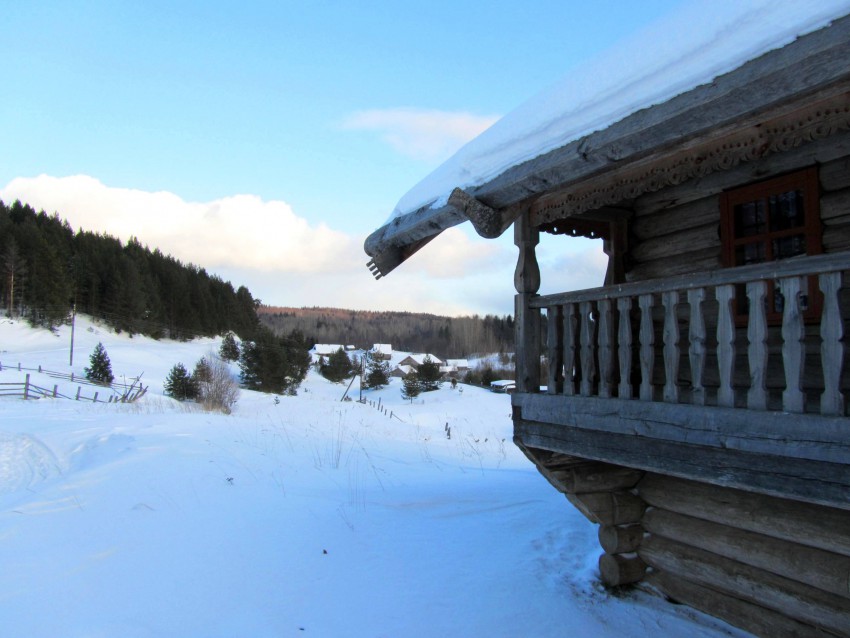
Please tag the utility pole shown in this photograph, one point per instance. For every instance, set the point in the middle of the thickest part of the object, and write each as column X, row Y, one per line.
column 73, row 322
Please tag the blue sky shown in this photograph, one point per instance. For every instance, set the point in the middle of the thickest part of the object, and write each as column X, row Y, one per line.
column 289, row 129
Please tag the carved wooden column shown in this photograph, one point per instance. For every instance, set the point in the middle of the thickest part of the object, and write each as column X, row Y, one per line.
column 527, row 320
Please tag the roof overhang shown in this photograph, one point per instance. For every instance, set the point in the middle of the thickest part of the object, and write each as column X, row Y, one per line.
column 652, row 147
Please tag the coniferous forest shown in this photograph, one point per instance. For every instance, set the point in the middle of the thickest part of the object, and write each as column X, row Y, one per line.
column 452, row 337
column 46, row 268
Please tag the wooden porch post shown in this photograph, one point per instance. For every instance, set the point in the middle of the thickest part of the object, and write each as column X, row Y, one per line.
column 526, row 319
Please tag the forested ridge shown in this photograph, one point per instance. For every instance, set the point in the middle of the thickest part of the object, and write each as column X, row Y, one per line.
column 448, row 337
column 46, row 268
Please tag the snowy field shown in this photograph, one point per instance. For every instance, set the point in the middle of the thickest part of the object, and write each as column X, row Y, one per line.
column 305, row 516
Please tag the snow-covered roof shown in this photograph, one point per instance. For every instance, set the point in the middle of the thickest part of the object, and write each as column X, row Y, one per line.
column 419, row 359
column 326, row 348
column 383, row 348
column 529, row 151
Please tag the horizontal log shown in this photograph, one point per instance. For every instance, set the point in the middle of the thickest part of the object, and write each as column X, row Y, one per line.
column 753, row 618
column 795, row 436
column 835, row 175
column 678, row 245
column 597, row 477
column 816, row 567
column 814, row 481
column 617, row 570
column 805, row 523
column 791, row 598
column 609, row 508
column 620, row 539
column 705, row 260
column 648, row 224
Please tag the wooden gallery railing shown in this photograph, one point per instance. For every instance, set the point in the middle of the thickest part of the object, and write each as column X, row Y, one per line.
column 678, row 339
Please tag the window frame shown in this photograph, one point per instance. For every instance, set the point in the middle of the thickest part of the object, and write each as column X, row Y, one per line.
column 805, row 180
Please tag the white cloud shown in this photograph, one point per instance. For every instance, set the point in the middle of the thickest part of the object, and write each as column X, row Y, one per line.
column 422, row 134
column 242, row 230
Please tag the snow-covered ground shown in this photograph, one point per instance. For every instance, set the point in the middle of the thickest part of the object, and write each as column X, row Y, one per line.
column 301, row 516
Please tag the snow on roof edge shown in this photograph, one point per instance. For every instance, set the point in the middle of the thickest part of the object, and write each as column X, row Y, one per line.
column 689, row 48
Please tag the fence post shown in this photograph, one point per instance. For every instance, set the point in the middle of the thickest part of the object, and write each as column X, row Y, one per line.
column 27, row 387
column 72, row 376
column 78, row 392
column 55, row 390
column 39, row 368
column 95, row 398
column 19, row 366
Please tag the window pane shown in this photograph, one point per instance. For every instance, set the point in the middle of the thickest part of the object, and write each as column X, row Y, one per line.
column 786, row 210
column 750, row 218
column 785, row 247
column 749, row 254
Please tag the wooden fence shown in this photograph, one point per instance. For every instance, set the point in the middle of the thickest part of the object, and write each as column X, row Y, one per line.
column 120, row 392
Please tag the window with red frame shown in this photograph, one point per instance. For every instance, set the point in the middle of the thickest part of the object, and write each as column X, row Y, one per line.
column 774, row 219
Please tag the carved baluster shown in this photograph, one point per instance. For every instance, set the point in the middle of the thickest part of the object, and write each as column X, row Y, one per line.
column 725, row 344
column 757, row 348
column 647, row 347
column 832, row 350
column 606, row 349
column 793, row 346
column 696, row 347
column 624, row 348
column 527, row 320
column 670, row 300
column 570, row 325
column 555, row 349
column 588, row 347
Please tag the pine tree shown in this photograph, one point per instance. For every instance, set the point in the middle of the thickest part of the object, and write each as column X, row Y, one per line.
column 378, row 374
column 100, row 368
column 429, row 374
column 411, row 386
column 179, row 384
column 202, row 372
column 338, row 368
column 229, row 350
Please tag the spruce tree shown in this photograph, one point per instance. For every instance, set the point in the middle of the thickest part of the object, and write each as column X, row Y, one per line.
column 429, row 374
column 338, row 368
column 179, row 384
column 411, row 386
column 100, row 368
column 378, row 374
column 229, row 350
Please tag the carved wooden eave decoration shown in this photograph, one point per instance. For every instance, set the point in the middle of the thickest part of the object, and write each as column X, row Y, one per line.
column 757, row 139
column 782, row 99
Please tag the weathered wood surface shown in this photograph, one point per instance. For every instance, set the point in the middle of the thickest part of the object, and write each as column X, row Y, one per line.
column 804, row 523
column 609, row 508
column 815, row 567
column 597, row 477
column 620, row 539
column 793, row 267
column 756, row 619
column 791, row 598
column 617, row 570
column 800, row 436
column 816, row 481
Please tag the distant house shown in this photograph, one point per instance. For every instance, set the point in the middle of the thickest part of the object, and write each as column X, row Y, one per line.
column 401, row 371
column 458, row 365
column 416, row 360
column 382, row 351
column 321, row 351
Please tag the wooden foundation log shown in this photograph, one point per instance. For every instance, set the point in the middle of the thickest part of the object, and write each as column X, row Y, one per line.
column 790, row 598
column 609, row 508
column 597, row 477
column 740, row 613
column 824, row 570
column 617, row 569
column 620, row 539
column 805, row 523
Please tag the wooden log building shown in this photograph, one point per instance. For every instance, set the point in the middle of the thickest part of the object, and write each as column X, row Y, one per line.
column 695, row 405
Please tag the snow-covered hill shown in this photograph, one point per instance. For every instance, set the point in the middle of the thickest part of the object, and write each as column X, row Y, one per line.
column 295, row 516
